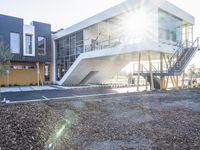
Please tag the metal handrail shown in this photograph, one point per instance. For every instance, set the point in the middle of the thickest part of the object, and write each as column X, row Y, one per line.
column 192, row 47
column 144, row 68
column 156, row 71
column 110, row 43
column 178, row 55
column 99, row 45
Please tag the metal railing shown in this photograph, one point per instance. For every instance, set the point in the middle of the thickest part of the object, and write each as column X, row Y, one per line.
column 103, row 44
column 185, row 56
column 182, row 56
column 178, row 61
column 110, row 43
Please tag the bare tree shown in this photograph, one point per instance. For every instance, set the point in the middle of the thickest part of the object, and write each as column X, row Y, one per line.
column 192, row 72
column 5, row 58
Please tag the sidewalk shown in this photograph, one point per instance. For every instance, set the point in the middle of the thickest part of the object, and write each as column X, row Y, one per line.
column 117, row 88
column 94, row 86
column 26, row 88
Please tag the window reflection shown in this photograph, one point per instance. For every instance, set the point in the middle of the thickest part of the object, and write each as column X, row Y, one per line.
column 170, row 28
column 41, row 46
column 28, row 49
column 68, row 49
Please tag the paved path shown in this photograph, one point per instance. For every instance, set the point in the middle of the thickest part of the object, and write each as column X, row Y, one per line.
column 26, row 88
column 61, row 93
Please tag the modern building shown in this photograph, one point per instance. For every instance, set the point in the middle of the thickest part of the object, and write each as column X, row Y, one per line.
column 96, row 49
column 31, row 49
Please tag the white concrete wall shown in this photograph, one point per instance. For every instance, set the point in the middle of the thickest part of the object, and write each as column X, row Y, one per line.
column 54, row 60
column 29, row 29
column 109, row 62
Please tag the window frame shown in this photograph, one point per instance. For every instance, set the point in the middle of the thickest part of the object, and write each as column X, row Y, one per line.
column 18, row 43
column 45, row 46
column 32, row 48
column 168, row 34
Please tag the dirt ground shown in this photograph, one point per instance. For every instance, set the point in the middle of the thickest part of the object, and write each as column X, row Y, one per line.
column 151, row 120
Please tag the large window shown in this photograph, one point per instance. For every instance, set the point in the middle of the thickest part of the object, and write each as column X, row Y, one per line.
column 28, row 50
column 15, row 42
column 41, row 46
column 170, row 29
column 68, row 49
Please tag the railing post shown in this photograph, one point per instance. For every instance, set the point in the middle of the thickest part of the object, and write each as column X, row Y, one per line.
column 150, row 69
column 138, row 77
column 162, row 78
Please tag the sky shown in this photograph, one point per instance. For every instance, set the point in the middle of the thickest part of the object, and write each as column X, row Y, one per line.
column 64, row 13
column 59, row 13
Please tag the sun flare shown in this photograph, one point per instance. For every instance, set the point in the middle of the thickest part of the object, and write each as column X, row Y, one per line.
column 136, row 24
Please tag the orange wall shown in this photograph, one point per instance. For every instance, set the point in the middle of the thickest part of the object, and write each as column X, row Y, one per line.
column 23, row 76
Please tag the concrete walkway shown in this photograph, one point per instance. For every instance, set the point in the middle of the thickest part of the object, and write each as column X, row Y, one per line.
column 117, row 88
column 26, row 88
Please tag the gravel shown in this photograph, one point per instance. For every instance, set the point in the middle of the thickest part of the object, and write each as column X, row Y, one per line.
column 148, row 120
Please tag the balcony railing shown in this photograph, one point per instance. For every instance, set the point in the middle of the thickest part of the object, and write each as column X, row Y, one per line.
column 103, row 44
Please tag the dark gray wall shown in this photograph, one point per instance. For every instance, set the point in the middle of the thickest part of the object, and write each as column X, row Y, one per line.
column 43, row 30
column 12, row 24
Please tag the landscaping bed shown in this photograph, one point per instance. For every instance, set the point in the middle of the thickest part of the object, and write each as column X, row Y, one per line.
column 148, row 120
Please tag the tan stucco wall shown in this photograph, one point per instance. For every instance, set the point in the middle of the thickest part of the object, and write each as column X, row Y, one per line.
column 24, row 76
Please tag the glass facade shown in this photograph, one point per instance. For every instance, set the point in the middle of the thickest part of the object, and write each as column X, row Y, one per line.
column 170, row 29
column 105, row 34
column 68, row 49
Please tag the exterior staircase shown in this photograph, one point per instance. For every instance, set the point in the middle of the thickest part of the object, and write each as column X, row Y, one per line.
column 179, row 64
column 175, row 65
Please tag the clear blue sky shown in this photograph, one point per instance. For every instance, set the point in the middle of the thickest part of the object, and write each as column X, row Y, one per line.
column 64, row 13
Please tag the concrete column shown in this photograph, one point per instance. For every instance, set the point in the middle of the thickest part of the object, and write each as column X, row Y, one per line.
column 54, row 61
